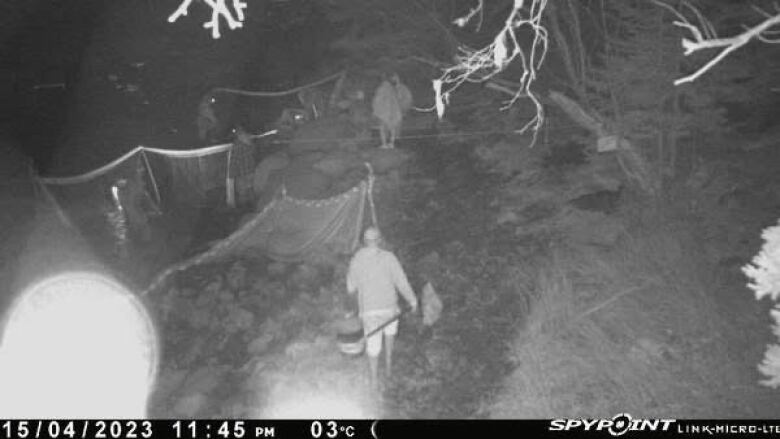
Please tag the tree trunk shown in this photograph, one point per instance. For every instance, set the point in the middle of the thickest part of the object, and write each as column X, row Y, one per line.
column 582, row 55
column 576, row 78
column 673, row 135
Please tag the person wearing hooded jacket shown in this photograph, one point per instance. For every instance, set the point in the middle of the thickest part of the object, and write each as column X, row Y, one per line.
column 375, row 275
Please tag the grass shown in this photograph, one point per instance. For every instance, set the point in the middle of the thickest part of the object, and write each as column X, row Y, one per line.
column 633, row 329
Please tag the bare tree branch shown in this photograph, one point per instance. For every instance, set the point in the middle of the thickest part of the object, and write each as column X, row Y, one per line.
column 481, row 65
column 709, row 41
column 219, row 8
column 479, row 9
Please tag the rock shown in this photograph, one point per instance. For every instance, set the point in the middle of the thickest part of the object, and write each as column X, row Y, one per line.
column 338, row 163
column 260, row 344
column 385, row 160
column 324, row 134
column 189, row 405
column 266, row 168
column 304, row 182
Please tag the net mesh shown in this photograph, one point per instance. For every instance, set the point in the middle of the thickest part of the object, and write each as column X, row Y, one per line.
column 117, row 201
column 289, row 229
column 109, row 217
column 199, row 180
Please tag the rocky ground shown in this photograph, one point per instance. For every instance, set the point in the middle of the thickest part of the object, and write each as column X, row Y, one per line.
column 549, row 272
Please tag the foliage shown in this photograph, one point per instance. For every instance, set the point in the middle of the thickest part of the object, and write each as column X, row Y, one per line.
column 620, row 60
column 631, row 329
column 632, row 81
column 704, row 36
column 764, row 273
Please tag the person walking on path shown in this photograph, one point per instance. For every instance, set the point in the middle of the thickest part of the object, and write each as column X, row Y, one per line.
column 376, row 276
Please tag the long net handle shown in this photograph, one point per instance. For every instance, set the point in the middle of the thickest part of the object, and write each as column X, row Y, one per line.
column 151, row 177
column 279, row 93
column 40, row 188
column 370, row 193
column 384, row 325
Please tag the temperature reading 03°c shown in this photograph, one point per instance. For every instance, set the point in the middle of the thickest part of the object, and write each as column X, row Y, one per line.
column 331, row 430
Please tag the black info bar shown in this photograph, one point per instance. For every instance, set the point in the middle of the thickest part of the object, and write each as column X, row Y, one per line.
column 620, row 425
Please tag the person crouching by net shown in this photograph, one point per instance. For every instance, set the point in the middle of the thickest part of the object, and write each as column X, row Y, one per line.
column 376, row 276
column 116, row 217
column 207, row 118
column 138, row 206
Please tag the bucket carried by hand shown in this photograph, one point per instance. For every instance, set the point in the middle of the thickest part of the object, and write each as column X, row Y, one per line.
column 349, row 335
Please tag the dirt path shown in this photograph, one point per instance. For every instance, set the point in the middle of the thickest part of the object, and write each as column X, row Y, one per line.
column 445, row 233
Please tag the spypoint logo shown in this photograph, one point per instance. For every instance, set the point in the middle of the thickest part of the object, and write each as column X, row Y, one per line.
column 617, row 426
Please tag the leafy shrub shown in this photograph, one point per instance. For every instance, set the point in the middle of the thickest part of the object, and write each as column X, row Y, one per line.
column 764, row 274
